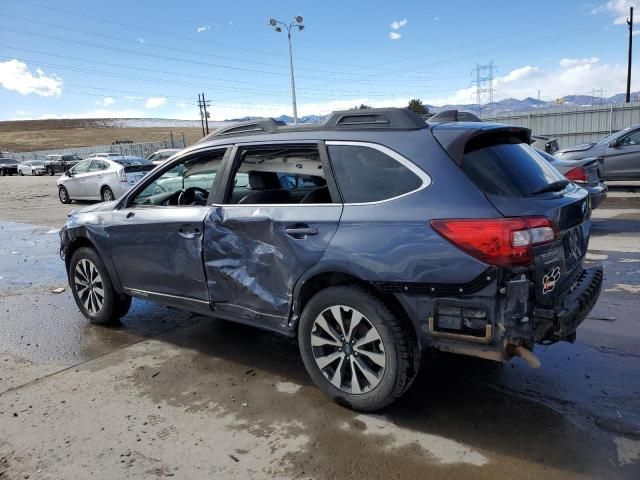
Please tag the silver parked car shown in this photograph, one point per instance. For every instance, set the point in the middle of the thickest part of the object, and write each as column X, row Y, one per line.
column 162, row 155
column 618, row 154
column 31, row 167
column 102, row 179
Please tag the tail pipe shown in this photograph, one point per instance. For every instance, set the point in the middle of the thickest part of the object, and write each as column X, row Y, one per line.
column 525, row 354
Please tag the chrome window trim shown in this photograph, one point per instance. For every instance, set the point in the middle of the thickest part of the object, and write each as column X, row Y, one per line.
column 144, row 293
column 421, row 174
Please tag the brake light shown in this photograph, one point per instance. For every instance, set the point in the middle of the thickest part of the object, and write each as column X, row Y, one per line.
column 122, row 176
column 504, row 242
column 577, row 175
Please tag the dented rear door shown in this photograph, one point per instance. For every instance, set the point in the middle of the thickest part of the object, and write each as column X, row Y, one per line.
column 255, row 254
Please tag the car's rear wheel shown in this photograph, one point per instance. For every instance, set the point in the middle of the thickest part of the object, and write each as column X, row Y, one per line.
column 63, row 195
column 355, row 349
column 50, row 171
column 92, row 288
column 107, row 195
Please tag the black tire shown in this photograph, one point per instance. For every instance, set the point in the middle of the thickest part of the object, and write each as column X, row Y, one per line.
column 50, row 171
column 20, row 173
column 63, row 195
column 33, row 172
column 102, row 308
column 107, row 194
column 2, row 173
column 401, row 353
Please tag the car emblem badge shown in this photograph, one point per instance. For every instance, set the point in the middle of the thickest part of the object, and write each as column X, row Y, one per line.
column 549, row 280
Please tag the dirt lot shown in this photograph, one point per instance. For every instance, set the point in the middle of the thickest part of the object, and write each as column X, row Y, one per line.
column 27, row 135
column 172, row 394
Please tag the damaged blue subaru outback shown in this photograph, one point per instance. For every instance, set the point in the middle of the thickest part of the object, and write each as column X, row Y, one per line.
column 370, row 237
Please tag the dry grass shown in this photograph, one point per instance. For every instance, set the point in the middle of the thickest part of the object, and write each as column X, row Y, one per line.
column 27, row 135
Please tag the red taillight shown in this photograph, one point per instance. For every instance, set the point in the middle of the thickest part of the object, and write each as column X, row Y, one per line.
column 504, row 242
column 577, row 175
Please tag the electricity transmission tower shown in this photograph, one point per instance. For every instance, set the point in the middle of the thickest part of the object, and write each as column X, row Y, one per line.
column 485, row 75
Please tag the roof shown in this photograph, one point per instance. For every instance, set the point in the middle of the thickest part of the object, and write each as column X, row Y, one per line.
column 365, row 119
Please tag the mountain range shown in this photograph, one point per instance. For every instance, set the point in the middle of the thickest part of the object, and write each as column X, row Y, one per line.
column 502, row 106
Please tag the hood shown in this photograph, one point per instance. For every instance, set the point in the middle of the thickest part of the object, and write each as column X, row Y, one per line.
column 96, row 207
column 577, row 148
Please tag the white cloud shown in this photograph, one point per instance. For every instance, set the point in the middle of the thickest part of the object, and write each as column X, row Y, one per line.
column 141, row 40
column 132, row 97
column 16, row 76
column 572, row 62
column 181, row 104
column 395, row 35
column 619, row 10
column 155, row 102
column 106, row 101
column 574, row 76
column 436, row 18
column 203, row 28
column 398, row 24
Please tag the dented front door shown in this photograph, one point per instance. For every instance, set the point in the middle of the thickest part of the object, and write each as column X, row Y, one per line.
column 254, row 255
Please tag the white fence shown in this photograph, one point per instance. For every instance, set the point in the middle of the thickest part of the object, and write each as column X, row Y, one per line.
column 138, row 149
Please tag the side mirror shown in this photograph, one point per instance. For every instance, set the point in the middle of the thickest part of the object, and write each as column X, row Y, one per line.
column 68, row 173
column 616, row 143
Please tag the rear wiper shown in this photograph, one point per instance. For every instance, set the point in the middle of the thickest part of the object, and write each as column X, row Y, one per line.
column 552, row 187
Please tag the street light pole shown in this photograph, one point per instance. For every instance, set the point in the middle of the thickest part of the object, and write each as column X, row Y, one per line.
column 277, row 24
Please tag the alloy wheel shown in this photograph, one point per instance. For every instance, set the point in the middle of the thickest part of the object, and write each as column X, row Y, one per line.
column 348, row 349
column 89, row 286
column 107, row 195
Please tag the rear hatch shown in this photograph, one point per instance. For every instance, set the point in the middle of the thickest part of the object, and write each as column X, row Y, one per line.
column 135, row 169
column 520, row 183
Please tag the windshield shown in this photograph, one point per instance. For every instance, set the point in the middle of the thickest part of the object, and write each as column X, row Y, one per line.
column 37, row 163
column 7, row 160
column 515, row 170
column 70, row 158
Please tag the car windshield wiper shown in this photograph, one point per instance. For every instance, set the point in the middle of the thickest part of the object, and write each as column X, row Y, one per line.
column 552, row 187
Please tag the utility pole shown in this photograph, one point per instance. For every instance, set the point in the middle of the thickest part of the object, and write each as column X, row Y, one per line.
column 206, row 114
column 630, row 24
column 278, row 26
column 201, row 115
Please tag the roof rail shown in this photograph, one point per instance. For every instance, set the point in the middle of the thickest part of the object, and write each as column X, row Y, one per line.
column 388, row 118
column 372, row 118
column 454, row 116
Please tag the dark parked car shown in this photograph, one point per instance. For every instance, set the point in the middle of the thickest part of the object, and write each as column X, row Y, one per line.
column 370, row 237
column 618, row 154
column 584, row 173
column 60, row 163
column 546, row 144
column 8, row 166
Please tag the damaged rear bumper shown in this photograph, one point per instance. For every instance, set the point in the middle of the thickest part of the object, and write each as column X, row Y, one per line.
column 561, row 322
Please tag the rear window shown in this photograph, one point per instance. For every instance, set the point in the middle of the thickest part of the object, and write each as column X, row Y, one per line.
column 365, row 174
column 510, row 169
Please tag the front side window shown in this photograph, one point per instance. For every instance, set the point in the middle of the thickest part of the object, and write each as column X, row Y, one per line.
column 279, row 174
column 632, row 139
column 188, row 183
column 365, row 174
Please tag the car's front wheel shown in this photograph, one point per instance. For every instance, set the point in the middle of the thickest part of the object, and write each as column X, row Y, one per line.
column 92, row 288
column 63, row 195
column 50, row 171
column 356, row 350
column 20, row 173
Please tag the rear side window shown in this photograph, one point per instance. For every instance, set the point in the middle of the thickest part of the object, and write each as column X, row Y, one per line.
column 509, row 169
column 365, row 174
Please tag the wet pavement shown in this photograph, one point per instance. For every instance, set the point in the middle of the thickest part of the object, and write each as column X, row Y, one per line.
column 171, row 394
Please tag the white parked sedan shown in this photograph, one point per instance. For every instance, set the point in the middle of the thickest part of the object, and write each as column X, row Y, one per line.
column 101, row 178
column 31, row 167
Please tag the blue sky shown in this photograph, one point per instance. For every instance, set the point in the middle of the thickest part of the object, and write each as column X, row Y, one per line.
column 73, row 58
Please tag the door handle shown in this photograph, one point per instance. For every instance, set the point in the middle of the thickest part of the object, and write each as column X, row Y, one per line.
column 130, row 214
column 300, row 231
column 188, row 231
